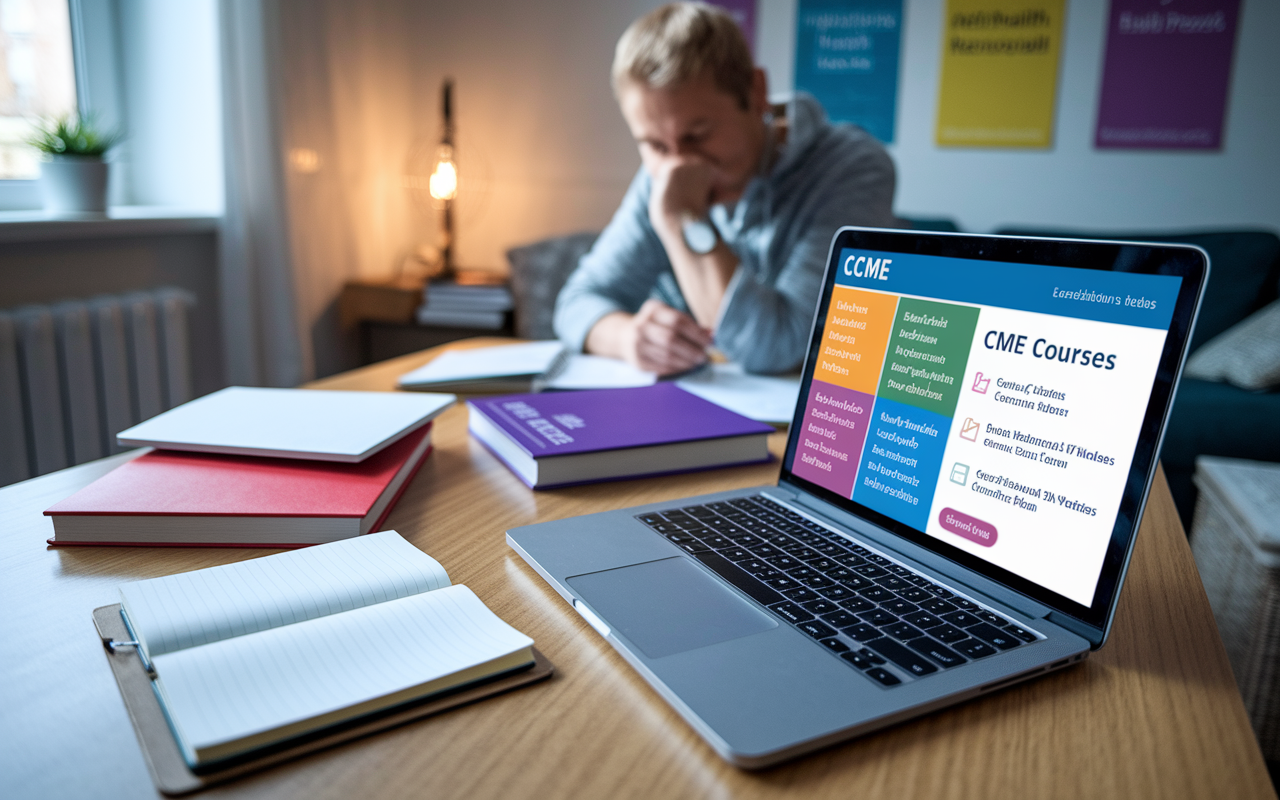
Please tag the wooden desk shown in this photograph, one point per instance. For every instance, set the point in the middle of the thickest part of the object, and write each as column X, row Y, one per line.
column 1154, row 714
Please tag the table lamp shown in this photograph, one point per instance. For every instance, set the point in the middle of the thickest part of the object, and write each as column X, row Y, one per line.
column 443, row 183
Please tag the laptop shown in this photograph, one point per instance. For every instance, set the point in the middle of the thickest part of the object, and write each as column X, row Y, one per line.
column 977, row 432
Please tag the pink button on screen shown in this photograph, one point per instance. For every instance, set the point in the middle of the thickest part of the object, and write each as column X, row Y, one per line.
column 971, row 528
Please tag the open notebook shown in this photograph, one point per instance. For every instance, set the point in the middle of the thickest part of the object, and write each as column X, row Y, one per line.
column 249, row 655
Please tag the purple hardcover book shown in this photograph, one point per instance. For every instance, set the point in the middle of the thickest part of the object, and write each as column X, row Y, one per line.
column 562, row 438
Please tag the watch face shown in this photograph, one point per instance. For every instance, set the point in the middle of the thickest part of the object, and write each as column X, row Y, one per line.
column 699, row 236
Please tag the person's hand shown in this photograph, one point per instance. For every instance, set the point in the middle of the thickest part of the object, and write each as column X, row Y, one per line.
column 681, row 187
column 657, row 338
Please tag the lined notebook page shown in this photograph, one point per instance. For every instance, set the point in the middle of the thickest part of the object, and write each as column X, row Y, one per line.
column 257, row 686
column 209, row 605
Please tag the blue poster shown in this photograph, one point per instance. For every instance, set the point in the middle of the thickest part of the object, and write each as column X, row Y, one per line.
column 847, row 57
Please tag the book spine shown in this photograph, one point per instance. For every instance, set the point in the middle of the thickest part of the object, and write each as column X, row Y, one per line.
column 53, row 542
column 658, row 474
column 505, row 463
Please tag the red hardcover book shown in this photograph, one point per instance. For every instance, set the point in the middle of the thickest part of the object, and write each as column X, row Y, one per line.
column 167, row 498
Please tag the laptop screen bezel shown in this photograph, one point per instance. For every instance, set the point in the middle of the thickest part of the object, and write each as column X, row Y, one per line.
column 1186, row 262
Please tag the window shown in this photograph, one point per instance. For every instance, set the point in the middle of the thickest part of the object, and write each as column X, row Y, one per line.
column 37, row 77
column 155, row 59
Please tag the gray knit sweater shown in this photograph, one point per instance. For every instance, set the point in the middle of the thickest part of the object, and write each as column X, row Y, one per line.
column 826, row 176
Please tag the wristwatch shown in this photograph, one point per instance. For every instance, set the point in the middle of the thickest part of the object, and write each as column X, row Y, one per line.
column 699, row 234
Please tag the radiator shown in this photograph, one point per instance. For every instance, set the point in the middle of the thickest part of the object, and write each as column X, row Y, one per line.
column 76, row 373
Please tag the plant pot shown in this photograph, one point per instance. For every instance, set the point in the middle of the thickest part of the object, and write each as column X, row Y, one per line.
column 74, row 186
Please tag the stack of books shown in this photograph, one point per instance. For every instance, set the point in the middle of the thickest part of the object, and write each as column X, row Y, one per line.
column 257, row 467
column 473, row 301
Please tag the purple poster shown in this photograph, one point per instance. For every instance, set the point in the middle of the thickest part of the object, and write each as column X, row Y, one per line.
column 1168, row 67
column 743, row 13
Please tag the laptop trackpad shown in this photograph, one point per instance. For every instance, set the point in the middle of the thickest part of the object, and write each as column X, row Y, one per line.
column 669, row 606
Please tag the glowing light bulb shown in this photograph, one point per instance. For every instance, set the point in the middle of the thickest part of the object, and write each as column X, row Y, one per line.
column 304, row 159
column 443, row 184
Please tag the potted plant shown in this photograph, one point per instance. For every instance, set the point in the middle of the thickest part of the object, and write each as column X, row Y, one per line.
column 73, row 174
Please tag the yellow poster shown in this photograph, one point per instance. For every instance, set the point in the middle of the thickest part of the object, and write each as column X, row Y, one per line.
column 999, row 72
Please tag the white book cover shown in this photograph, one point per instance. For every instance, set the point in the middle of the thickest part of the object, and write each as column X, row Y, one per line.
column 289, row 423
column 526, row 358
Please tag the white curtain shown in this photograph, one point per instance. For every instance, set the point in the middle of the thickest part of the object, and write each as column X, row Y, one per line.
column 262, row 328
column 319, row 105
column 347, row 106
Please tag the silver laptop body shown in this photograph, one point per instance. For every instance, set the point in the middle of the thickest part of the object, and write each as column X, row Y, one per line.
column 1021, row 558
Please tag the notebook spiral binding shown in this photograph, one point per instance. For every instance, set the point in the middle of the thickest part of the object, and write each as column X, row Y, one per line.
column 111, row 643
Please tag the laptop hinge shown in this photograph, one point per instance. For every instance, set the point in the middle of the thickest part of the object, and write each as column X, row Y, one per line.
column 1087, row 632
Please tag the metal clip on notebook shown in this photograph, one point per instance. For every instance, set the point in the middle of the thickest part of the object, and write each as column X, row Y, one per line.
column 112, row 644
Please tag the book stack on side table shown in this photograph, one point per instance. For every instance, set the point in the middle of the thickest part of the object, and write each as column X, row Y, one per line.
column 472, row 300
column 257, row 467
column 475, row 302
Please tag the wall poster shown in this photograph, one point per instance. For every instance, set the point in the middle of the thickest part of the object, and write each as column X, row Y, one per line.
column 1167, row 74
column 847, row 57
column 999, row 73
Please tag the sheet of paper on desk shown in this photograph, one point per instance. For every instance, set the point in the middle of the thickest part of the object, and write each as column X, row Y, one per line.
column 596, row 372
column 527, row 358
column 766, row 398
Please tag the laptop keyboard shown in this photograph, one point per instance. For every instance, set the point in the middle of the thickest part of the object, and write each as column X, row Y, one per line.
column 867, row 609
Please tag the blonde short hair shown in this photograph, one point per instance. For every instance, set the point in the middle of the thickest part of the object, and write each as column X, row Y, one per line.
column 683, row 41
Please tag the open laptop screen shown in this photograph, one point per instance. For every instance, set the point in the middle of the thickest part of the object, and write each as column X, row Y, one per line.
column 993, row 406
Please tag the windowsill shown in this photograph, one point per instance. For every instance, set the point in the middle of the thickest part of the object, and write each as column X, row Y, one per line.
column 38, row 226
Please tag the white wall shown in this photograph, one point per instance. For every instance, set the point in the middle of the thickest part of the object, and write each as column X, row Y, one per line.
column 1074, row 186
column 170, row 88
column 542, row 148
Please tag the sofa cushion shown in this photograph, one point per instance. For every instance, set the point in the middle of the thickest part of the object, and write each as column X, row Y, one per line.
column 1216, row 419
column 538, row 272
column 1246, row 355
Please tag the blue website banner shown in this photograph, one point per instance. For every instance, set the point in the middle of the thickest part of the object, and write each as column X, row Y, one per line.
column 1124, row 298
column 847, row 57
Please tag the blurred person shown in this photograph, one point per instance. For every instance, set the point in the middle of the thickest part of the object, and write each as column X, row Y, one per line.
column 723, row 234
